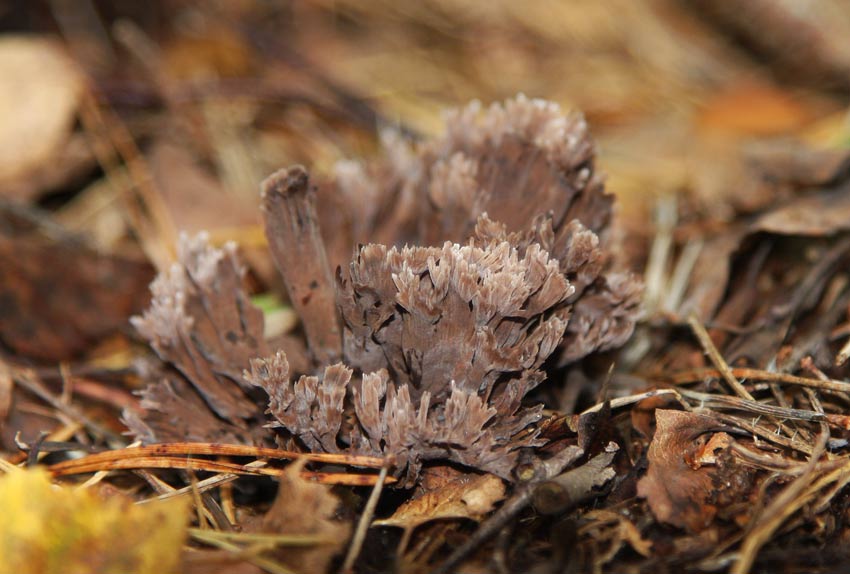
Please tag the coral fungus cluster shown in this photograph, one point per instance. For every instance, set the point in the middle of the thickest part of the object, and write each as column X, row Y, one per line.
column 432, row 285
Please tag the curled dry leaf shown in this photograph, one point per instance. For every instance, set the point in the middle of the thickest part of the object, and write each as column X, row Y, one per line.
column 685, row 470
column 470, row 496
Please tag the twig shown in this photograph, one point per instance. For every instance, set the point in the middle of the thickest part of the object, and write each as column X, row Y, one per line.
column 27, row 379
column 149, row 217
column 218, row 449
column 543, row 471
column 681, row 275
column 763, row 433
column 697, row 375
column 721, row 401
column 659, row 255
column 364, row 522
column 203, row 485
column 716, row 358
column 63, row 469
column 270, row 541
column 791, row 499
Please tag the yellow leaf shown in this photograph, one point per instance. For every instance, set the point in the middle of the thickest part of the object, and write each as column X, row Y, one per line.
column 48, row 529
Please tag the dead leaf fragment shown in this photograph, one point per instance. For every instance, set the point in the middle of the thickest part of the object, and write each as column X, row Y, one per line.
column 464, row 497
column 754, row 109
column 676, row 492
column 195, row 199
column 57, row 296
column 304, row 507
column 38, row 100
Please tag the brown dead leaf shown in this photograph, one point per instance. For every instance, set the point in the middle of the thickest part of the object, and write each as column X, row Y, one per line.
column 820, row 214
column 304, row 507
column 781, row 188
column 5, row 391
column 678, row 493
column 468, row 496
column 752, row 109
column 194, row 198
column 38, row 101
column 57, row 296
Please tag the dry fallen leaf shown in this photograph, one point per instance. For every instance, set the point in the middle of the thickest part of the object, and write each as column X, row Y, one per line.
column 194, row 198
column 304, row 507
column 38, row 100
column 677, row 493
column 467, row 496
column 751, row 108
column 57, row 296
column 49, row 529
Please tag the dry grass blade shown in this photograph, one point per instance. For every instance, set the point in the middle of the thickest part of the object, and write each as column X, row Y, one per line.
column 250, row 554
column 203, row 485
column 257, row 540
column 788, row 502
column 363, row 524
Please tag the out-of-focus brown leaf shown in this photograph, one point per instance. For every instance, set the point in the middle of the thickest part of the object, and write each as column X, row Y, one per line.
column 779, row 188
column 752, row 109
column 5, row 391
column 814, row 215
column 304, row 507
column 467, row 496
column 57, row 296
column 806, row 44
column 194, row 198
column 677, row 493
column 38, row 100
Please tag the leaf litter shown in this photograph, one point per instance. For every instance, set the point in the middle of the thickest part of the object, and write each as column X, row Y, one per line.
column 476, row 359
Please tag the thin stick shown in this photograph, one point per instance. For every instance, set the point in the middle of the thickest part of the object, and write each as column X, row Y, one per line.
column 213, row 466
column 720, row 401
column 791, row 499
column 30, row 381
column 543, row 471
column 364, row 522
column 716, row 358
column 216, row 449
column 696, row 375
column 204, row 485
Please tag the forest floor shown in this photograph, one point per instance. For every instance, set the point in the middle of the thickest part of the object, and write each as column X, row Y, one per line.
column 696, row 404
